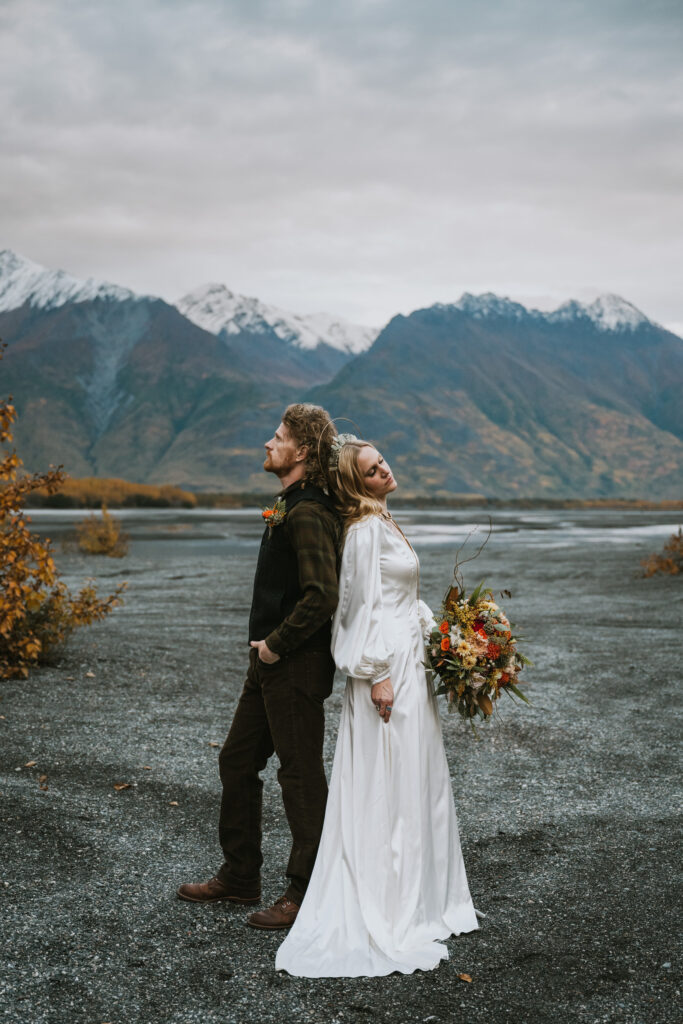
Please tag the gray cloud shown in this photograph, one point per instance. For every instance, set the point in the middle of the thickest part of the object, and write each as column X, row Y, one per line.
column 364, row 157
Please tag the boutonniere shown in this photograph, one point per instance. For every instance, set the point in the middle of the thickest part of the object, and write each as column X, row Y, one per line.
column 275, row 515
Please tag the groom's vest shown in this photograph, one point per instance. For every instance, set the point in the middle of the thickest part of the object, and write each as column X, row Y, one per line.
column 276, row 583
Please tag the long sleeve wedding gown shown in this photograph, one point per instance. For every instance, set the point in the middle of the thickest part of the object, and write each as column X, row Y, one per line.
column 389, row 879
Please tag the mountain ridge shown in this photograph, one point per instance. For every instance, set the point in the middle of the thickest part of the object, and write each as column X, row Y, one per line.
column 608, row 312
column 218, row 309
column 521, row 405
column 24, row 281
column 477, row 396
column 213, row 307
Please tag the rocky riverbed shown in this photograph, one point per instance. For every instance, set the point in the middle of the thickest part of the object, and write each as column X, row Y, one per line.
column 569, row 810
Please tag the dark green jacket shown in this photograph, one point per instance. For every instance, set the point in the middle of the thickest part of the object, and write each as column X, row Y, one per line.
column 297, row 574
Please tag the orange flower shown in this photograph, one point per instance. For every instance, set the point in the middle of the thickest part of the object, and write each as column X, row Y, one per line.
column 504, row 679
column 493, row 651
column 445, row 627
column 445, row 644
column 275, row 515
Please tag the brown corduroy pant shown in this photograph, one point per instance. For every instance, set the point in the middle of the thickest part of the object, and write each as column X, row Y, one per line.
column 280, row 711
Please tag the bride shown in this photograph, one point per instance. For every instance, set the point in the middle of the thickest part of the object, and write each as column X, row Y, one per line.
column 389, row 879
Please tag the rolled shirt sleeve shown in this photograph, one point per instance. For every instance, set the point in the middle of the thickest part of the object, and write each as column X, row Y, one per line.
column 313, row 532
column 358, row 645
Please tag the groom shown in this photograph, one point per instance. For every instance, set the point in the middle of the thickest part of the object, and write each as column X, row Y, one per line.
column 289, row 676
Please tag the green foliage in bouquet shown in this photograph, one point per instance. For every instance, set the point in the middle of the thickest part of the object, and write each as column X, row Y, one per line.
column 473, row 653
column 471, row 649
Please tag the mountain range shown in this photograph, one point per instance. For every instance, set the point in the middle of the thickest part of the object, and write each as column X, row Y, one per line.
column 478, row 396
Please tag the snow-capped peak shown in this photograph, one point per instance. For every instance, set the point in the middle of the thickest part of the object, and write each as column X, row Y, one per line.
column 215, row 308
column 607, row 312
column 612, row 313
column 22, row 280
column 489, row 304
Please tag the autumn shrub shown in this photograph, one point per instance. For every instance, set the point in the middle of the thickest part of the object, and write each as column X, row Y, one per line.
column 93, row 492
column 37, row 611
column 669, row 560
column 102, row 535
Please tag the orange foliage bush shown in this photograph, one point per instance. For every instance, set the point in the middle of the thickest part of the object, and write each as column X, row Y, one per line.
column 92, row 492
column 102, row 535
column 669, row 561
column 37, row 612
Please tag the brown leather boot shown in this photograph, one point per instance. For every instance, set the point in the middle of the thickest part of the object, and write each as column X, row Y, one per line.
column 214, row 891
column 282, row 914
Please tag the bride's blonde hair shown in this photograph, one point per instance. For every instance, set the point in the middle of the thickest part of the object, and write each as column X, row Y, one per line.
column 348, row 484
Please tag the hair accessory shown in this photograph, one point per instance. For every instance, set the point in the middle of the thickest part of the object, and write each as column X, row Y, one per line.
column 336, row 446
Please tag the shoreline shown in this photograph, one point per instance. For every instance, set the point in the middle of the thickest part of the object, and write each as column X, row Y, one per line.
column 251, row 499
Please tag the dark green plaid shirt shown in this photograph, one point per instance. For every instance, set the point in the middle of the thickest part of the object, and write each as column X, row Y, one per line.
column 315, row 533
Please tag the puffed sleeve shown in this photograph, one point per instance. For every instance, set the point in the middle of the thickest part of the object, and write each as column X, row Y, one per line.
column 358, row 645
column 426, row 617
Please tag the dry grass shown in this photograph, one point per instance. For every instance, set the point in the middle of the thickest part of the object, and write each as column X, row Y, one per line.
column 102, row 535
column 93, row 492
column 670, row 559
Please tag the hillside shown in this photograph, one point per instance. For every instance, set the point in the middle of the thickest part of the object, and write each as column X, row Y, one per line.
column 486, row 396
column 481, row 396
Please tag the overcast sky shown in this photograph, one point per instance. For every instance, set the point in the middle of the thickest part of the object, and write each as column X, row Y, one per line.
column 364, row 157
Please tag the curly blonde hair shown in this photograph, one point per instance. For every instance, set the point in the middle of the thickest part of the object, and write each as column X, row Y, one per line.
column 311, row 426
column 348, row 485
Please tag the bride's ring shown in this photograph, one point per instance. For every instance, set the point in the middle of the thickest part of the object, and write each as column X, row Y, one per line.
column 389, row 707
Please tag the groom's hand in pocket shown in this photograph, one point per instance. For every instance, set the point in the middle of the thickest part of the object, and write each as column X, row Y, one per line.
column 264, row 652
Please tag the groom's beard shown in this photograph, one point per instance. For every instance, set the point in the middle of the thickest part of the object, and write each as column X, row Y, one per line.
column 280, row 469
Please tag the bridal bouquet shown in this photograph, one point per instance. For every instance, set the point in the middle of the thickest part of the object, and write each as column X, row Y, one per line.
column 473, row 653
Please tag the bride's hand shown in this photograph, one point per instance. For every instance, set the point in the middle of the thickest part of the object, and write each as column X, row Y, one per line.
column 382, row 696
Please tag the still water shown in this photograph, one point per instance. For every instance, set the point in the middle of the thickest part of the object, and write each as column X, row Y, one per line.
column 164, row 532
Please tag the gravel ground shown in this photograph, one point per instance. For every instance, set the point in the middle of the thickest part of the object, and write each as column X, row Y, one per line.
column 568, row 810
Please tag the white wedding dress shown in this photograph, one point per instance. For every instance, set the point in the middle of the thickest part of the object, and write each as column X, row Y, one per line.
column 389, row 879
